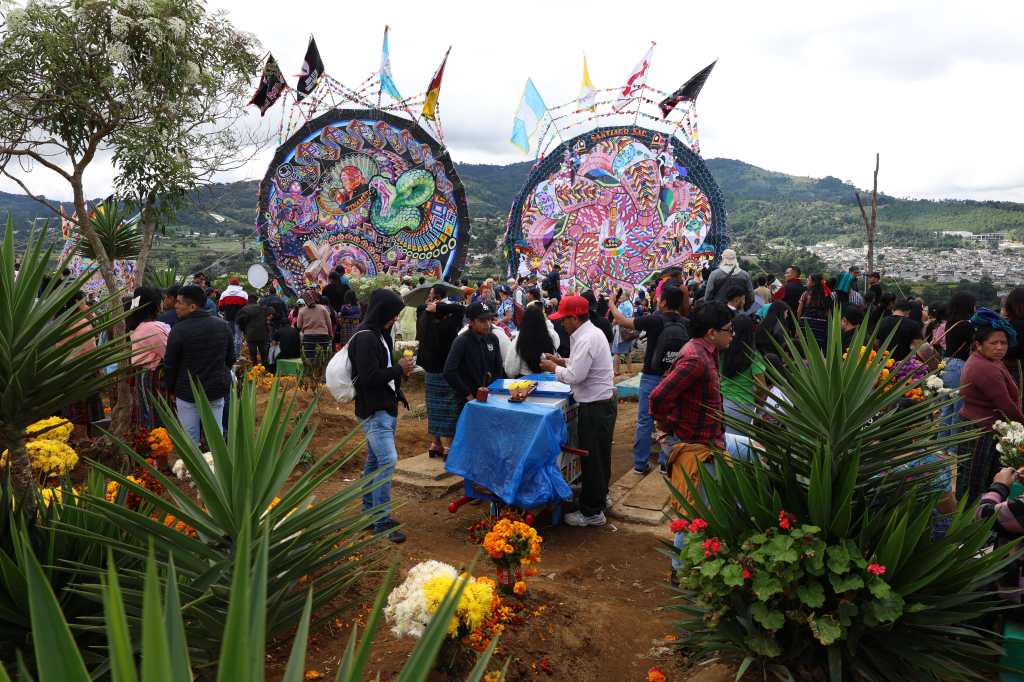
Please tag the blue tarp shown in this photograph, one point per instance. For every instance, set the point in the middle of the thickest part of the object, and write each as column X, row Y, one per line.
column 512, row 450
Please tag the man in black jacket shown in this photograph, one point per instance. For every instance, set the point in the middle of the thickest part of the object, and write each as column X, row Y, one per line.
column 202, row 347
column 552, row 284
column 377, row 382
column 474, row 360
column 252, row 320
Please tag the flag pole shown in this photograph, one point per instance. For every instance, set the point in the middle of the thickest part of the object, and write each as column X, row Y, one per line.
column 380, row 83
column 640, row 99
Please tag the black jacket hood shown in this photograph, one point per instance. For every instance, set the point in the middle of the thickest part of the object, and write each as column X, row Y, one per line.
column 385, row 305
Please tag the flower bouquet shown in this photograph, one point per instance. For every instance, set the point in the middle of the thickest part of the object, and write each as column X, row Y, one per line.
column 412, row 604
column 512, row 545
column 1011, row 443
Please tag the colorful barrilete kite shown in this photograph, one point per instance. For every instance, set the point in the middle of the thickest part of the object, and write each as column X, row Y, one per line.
column 75, row 246
column 356, row 183
column 610, row 200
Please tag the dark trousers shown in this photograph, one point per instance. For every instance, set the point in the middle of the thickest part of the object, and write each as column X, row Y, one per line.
column 595, row 426
column 261, row 347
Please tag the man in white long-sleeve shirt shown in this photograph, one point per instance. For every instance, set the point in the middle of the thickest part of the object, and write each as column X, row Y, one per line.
column 589, row 372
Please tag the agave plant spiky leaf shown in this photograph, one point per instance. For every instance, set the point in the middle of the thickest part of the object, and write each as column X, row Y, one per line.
column 118, row 231
column 310, row 536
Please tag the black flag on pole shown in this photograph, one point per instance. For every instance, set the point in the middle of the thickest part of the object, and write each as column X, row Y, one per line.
column 312, row 69
column 272, row 86
column 688, row 91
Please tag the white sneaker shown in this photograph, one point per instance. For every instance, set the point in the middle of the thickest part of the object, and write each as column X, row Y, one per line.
column 608, row 502
column 578, row 519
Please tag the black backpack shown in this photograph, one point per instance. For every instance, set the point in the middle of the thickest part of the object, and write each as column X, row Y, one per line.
column 673, row 337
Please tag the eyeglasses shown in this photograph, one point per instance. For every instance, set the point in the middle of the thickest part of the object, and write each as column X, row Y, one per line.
column 727, row 330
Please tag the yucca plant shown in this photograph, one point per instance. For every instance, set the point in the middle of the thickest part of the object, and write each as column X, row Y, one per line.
column 163, row 278
column 37, row 535
column 248, row 490
column 817, row 558
column 117, row 230
column 40, row 327
column 158, row 650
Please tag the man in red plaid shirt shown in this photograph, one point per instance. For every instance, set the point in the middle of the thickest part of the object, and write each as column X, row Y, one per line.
column 687, row 404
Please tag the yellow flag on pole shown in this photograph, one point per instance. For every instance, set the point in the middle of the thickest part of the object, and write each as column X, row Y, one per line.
column 587, row 91
column 434, row 91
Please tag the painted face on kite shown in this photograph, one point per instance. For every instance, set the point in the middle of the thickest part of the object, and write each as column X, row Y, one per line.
column 367, row 190
column 615, row 206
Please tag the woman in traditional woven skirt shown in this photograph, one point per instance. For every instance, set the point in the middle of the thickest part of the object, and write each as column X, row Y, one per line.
column 149, row 343
column 314, row 322
column 437, row 324
column 989, row 393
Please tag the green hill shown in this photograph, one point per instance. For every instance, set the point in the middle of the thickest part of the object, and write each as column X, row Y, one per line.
column 764, row 207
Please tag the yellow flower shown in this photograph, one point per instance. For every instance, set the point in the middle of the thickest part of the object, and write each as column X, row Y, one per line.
column 313, row 674
column 48, row 457
column 519, row 587
column 51, row 428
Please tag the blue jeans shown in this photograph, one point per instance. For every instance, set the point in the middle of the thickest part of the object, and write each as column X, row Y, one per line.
column 188, row 415
column 381, row 457
column 951, row 379
column 645, row 423
column 738, row 448
column 735, row 410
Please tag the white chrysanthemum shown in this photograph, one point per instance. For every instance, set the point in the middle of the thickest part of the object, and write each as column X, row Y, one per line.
column 407, row 605
column 181, row 471
column 934, row 383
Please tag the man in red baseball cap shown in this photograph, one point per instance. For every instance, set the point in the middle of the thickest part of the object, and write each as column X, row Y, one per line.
column 589, row 372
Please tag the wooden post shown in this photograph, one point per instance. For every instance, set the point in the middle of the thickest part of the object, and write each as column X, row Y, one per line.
column 870, row 225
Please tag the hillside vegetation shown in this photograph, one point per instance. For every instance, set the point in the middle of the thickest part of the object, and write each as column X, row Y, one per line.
column 765, row 208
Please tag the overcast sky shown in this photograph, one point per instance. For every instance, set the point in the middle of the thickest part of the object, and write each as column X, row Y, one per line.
column 807, row 88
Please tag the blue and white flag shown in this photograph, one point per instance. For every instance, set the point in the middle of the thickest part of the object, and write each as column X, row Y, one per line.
column 387, row 84
column 531, row 111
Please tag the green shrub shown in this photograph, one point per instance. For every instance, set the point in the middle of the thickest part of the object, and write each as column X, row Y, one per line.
column 249, row 490
column 158, row 650
column 818, row 557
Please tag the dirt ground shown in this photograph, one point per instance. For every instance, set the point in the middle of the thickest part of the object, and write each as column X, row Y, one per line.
column 603, row 592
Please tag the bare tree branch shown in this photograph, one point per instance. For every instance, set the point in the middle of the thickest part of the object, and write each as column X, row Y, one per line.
column 35, row 197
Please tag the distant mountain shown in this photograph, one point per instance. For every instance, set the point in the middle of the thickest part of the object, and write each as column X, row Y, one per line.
column 762, row 205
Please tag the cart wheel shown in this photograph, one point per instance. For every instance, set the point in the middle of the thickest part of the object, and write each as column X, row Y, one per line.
column 529, row 518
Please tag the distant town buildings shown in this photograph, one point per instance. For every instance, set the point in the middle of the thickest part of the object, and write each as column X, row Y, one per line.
column 1000, row 260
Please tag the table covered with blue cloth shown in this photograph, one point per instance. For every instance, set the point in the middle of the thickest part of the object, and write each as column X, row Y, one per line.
column 512, row 449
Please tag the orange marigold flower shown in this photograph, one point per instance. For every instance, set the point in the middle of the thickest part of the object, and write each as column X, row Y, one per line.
column 656, row 675
column 519, row 587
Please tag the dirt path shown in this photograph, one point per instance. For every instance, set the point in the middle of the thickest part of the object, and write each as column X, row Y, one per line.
column 604, row 591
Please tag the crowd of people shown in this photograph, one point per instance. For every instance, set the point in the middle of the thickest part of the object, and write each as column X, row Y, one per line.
column 707, row 339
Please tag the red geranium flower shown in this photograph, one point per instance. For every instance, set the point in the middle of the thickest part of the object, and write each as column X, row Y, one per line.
column 747, row 575
column 876, row 569
column 678, row 525
column 786, row 520
column 711, row 547
column 697, row 525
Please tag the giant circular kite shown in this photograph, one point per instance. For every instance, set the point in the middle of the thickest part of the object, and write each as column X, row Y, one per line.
column 364, row 189
column 615, row 205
